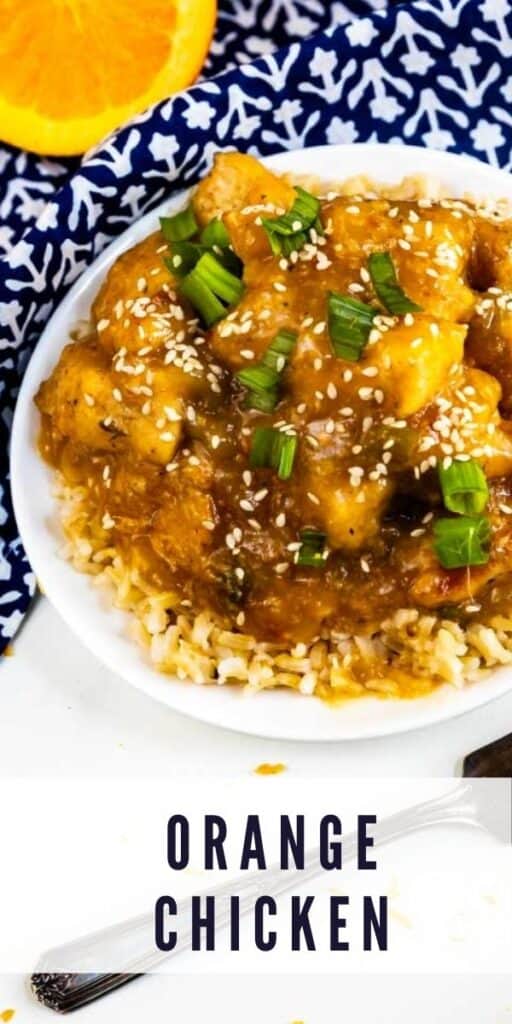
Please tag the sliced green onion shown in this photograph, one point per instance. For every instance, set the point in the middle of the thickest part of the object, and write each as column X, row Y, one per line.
column 230, row 261
column 284, row 245
column 261, row 447
column 271, row 449
column 215, row 234
column 302, row 215
column 462, row 541
column 182, row 226
column 350, row 323
column 287, row 448
column 279, row 350
column 258, row 378
column 201, row 297
column 384, row 280
column 209, row 287
column 263, row 401
column 287, row 233
column 184, row 256
column 464, row 487
column 222, row 282
column 311, row 552
column 262, row 380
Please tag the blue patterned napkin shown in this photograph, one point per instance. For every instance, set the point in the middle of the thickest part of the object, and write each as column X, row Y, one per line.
column 282, row 74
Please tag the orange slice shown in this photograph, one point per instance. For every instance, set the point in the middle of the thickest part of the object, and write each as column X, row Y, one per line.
column 72, row 70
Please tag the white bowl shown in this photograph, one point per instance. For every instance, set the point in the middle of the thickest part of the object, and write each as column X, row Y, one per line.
column 280, row 714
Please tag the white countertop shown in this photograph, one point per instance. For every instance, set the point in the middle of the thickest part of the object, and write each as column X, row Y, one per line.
column 283, row 1000
column 61, row 712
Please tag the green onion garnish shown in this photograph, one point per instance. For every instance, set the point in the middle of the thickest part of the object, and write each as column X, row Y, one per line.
column 462, row 541
column 312, row 548
column 182, row 226
column 287, row 233
column 215, row 234
column 262, row 380
column 284, row 245
column 258, row 378
column 211, row 288
column 202, row 298
column 222, row 282
column 464, row 487
column 280, row 350
column 184, row 256
column 263, row 401
column 384, row 280
column 350, row 323
column 271, row 449
column 302, row 215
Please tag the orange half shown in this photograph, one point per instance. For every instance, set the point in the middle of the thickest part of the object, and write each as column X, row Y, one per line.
column 72, row 70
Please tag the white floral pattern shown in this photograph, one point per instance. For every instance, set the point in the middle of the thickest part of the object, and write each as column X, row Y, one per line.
column 280, row 74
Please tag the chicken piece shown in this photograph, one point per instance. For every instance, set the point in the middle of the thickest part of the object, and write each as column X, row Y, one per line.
column 349, row 513
column 93, row 405
column 181, row 530
column 431, row 586
column 430, row 248
column 414, row 361
column 492, row 258
column 489, row 341
column 258, row 317
column 78, row 398
column 241, row 190
column 238, row 180
column 136, row 306
column 464, row 419
column 155, row 424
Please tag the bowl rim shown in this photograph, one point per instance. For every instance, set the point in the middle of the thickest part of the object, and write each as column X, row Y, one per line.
column 275, row 714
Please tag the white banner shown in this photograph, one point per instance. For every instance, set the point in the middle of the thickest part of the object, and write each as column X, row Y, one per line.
column 317, row 876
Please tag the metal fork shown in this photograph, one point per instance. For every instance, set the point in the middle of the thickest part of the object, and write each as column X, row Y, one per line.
column 467, row 804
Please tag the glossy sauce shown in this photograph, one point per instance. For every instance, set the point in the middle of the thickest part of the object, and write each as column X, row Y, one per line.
column 147, row 415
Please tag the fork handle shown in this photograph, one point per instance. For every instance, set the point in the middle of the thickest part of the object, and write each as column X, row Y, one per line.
column 67, row 992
